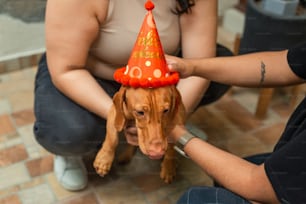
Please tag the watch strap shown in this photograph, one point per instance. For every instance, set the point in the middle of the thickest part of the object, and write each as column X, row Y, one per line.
column 182, row 141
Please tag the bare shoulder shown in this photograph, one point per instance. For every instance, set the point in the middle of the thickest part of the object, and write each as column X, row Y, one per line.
column 77, row 8
column 71, row 28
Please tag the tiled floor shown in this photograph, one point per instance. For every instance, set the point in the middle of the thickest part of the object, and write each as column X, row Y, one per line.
column 26, row 169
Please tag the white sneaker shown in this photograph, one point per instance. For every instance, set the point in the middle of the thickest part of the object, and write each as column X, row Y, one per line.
column 70, row 172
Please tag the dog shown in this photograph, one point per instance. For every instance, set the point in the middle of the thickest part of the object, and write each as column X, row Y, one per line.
column 155, row 112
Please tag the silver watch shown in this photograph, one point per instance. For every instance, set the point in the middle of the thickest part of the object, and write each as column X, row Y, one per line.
column 182, row 141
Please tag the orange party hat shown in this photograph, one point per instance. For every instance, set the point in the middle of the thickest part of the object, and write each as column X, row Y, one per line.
column 147, row 67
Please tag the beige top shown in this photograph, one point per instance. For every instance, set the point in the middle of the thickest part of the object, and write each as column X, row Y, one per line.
column 120, row 30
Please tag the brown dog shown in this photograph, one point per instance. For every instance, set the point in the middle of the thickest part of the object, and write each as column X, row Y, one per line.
column 155, row 111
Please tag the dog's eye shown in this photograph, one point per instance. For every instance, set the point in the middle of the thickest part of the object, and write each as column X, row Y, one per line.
column 139, row 113
column 166, row 111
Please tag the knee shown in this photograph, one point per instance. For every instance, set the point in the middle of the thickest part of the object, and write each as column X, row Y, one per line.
column 206, row 195
column 201, row 194
column 69, row 141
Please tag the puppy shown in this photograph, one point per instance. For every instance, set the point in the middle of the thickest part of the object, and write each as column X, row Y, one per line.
column 155, row 112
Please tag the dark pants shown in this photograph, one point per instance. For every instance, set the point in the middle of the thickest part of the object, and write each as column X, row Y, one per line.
column 64, row 128
column 218, row 194
column 210, row 195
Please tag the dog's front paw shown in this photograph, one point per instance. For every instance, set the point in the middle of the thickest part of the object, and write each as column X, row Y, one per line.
column 168, row 170
column 103, row 162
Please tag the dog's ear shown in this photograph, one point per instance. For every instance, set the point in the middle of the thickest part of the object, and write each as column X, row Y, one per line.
column 178, row 108
column 119, row 102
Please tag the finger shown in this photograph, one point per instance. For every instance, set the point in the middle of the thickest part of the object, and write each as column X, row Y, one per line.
column 172, row 64
column 131, row 131
column 132, row 140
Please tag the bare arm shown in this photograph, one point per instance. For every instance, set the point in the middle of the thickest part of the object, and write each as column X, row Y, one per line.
column 199, row 31
column 71, row 28
column 263, row 69
column 238, row 175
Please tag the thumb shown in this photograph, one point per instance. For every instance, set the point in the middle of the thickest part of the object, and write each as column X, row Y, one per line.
column 172, row 63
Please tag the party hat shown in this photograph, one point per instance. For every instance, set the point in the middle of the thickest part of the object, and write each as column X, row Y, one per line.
column 147, row 67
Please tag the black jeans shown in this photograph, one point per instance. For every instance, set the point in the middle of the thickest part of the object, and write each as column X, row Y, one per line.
column 64, row 128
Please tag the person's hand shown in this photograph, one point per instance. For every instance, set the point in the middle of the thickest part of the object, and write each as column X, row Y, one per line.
column 130, row 132
column 183, row 66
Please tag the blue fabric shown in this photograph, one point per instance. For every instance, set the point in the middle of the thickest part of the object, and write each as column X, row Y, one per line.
column 210, row 195
column 63, row 127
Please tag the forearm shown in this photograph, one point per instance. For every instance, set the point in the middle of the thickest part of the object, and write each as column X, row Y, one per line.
column 81, row 87
column 253, row 70
column 236, row 174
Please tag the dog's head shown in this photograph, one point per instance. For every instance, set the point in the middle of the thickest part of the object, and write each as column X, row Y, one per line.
column 156, row 111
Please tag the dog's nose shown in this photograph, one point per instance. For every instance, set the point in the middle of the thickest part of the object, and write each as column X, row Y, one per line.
column 156, row 149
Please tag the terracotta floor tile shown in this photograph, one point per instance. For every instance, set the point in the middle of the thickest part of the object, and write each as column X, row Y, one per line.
column 270, row 135
column 13, row 175
column 82, row 199
column 164, row 201
column 13, row 199
column 38, row 194
column 191, row 173
column 216, row 126
column 238, row 114
column 12, row 136
column 148, row 182
column 23, row 117
column 245, row 145
column 8, row 192
column 10, row 87
column 2, row 140
column 4, row 106
column 118, row 191
column 12, row 155
column 32, row 183
column 40, row 166
column 59, row 192
column 21, row 100
column 6, row 125
column 282, row 109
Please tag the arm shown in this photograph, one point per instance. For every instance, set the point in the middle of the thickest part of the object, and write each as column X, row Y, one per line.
column 238, row 175
column 199, row 31
column 71, row 28
column 262, row 69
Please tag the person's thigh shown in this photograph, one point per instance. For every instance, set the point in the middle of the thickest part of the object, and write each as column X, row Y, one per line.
column 63, row 127
column 210, row 195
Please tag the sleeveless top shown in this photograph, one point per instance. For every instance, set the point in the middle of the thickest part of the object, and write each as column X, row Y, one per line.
column 119, row 31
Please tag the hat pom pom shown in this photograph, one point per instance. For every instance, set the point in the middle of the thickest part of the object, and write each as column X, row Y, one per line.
column 149, row 5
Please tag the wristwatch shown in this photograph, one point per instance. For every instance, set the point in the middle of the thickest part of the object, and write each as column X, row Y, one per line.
column 182, row 141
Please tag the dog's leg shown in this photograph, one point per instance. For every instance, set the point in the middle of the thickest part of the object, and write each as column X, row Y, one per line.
column 127, row 154
column 168, row 165
column 105, row 156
